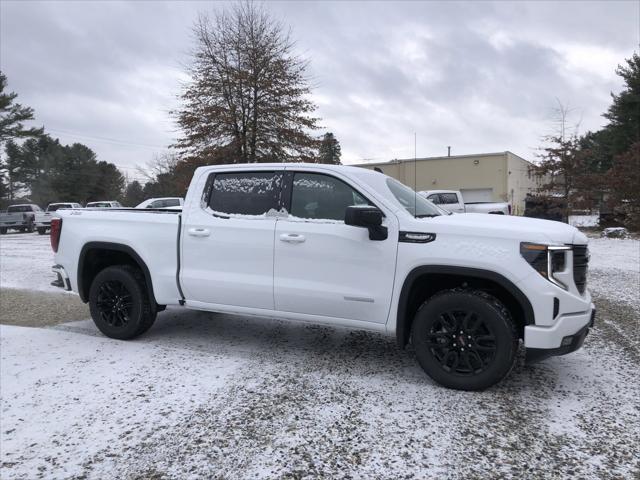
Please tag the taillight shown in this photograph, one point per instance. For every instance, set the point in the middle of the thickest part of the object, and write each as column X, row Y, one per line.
column 56, row 229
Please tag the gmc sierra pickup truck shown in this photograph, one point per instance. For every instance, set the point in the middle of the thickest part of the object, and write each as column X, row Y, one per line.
column 337, row 245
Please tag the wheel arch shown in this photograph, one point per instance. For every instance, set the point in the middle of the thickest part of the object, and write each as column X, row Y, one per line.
column 96, row 256
column 425, row 281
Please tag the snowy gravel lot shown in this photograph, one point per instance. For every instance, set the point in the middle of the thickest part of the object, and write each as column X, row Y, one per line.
column 214, row 396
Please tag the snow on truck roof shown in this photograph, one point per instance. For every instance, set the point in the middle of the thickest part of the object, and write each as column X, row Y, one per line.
column 291, row 166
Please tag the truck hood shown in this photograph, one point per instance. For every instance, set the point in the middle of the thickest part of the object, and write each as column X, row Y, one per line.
column 507, row 226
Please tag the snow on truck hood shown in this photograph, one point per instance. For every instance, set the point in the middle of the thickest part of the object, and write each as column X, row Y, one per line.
column 508, row 226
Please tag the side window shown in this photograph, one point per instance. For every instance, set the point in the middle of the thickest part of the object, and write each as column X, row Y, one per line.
column 322, row 197
column 449, row 198
column 245, row 193
column 171, row 202
column 435, row 198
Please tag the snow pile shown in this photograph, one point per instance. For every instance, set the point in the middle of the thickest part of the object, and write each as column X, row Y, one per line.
column 615, row 232
column 584, row 220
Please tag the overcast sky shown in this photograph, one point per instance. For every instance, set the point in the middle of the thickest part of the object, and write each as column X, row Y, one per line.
column 480, row 77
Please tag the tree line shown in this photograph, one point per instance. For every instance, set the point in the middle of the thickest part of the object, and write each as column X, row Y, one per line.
column 37, row 168
column 599, row 170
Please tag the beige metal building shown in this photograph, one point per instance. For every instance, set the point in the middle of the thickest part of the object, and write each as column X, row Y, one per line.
column 484, row 177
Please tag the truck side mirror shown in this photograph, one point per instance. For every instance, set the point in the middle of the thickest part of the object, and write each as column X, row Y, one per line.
column 368, row 217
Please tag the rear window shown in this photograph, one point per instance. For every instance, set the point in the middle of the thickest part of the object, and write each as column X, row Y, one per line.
column 57, row 206
column 245, row 193
column 22, row 209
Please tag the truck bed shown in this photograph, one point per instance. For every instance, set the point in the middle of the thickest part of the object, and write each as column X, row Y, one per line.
column 153, row 234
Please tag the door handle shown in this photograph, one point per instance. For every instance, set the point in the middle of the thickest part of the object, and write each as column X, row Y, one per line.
column 292, row 238
column 199, row 232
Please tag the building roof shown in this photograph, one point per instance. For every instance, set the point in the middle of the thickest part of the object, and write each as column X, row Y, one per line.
column 443, row 157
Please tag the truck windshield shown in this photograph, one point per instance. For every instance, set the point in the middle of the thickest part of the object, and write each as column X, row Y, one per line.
column 416, row 205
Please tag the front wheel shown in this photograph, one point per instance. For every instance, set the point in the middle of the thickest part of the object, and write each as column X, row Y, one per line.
column 3, row 231
column 465, row 339
column 42, row 230
column 119, row 302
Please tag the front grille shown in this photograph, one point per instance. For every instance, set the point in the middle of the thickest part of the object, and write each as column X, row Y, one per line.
column 580, row 266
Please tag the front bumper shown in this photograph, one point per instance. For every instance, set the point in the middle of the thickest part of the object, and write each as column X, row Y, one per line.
column 565, row 336
column 63, row 279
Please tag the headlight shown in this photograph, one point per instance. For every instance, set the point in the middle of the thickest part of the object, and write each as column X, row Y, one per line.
column 547, row 260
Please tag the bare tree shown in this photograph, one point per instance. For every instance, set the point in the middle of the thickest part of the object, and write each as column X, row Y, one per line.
column 562, row 160
column 248, row 93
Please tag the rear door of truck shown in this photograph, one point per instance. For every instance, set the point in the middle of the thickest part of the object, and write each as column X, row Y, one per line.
column 228, row 239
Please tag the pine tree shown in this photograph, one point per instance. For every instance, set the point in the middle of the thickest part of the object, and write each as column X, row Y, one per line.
column 624, row 112
column 329, row 151
column 133, row 194
column 248, row 92
column 13, row 115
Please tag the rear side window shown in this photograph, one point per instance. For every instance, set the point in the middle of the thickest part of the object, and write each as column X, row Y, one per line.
column 435, row 198
column 245, row 193
column 321, row 196
column 448, row 198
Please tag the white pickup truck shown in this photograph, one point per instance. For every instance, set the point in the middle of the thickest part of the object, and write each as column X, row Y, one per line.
column 19, row 217
column 452, row 201
column 43, row 219
column 337, row 245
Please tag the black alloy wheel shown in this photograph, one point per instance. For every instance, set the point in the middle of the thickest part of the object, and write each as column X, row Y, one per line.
column 462, row 342
column 465, row 339
column 120, row 302
column 115, row 303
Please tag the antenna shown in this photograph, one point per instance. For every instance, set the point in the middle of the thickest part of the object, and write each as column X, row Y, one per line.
column 415, row 175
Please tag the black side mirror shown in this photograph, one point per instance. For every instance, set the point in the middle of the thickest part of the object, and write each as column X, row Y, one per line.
column 368, row 217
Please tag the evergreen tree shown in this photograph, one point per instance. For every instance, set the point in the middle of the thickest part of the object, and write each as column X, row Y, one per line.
column 624, row 112
column 13, row 115
column 133, row 194
column 248, row 92
column 329, row 151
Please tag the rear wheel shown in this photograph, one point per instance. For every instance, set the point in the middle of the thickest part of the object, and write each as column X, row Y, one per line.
column 42, row 230
column 465, row 340
column 3, row 231
column 119, row 302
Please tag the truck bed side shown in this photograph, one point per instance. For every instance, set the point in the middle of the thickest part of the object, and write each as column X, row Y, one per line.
column 152, row 235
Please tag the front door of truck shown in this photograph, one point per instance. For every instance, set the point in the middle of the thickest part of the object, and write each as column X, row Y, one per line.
column 227, row 240
column 324, row 267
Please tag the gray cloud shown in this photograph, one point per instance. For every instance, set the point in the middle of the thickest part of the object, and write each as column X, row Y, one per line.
column 478, row 76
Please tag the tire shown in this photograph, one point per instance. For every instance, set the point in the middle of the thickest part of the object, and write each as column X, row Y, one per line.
column 479, row 357
column 3, row 231
column 123, row 288
column 42, row 230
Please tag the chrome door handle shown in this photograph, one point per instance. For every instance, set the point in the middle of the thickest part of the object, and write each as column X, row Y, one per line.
column 292, row 238
column 199, row 232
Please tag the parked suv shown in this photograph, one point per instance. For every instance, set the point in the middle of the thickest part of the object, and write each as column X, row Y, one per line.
column 337, row 245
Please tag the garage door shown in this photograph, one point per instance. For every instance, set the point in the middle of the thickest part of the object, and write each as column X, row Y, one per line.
column 471, row 195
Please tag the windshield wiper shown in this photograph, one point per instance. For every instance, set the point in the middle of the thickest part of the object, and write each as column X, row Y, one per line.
column 428, row 215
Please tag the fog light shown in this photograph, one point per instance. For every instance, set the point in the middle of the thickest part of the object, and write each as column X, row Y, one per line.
column 566, row 341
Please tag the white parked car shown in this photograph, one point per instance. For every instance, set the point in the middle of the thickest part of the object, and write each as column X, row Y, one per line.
column 43, row 219
column 104, row 204
column 165, row 202
column 452, row 201
column 337, row 245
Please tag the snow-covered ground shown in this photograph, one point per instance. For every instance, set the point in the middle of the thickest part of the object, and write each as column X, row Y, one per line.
column 204, row 395
column 26, row 261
